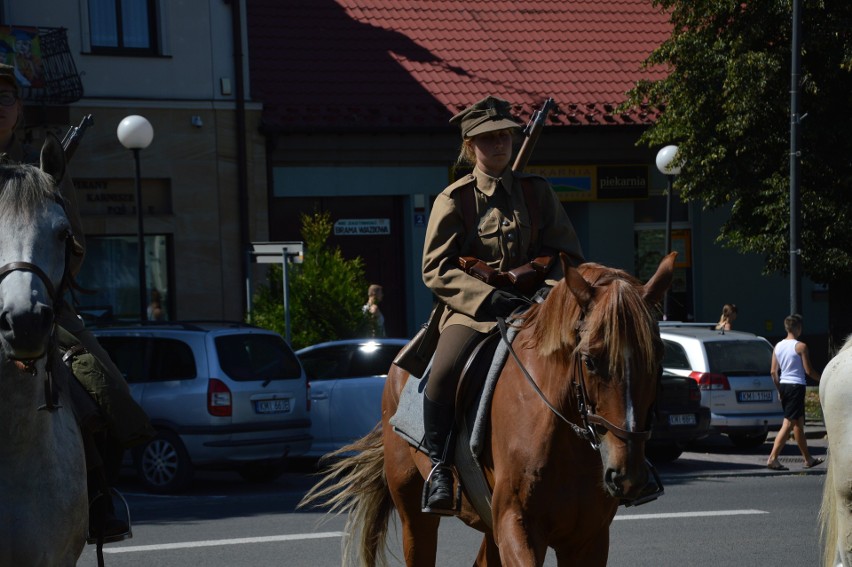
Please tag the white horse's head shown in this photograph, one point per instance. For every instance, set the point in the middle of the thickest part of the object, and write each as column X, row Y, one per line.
column 34, row 235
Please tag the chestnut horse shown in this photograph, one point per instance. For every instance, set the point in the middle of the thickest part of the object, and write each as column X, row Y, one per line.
column 588, row 361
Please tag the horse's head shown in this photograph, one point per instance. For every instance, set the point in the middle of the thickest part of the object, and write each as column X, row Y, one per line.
column 601, row 322
column 34, row 239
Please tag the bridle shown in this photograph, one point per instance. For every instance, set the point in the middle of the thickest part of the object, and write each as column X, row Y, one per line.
column 51, row 394
column 588, row 417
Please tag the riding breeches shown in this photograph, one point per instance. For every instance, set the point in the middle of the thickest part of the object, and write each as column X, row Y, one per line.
column 454, row 346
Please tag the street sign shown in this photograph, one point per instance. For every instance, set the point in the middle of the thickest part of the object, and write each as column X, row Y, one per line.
column 273, row 252
column 282, row 253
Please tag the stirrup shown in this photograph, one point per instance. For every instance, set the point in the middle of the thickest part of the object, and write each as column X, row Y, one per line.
column 455, row 508
column 93, row 539
column 651, row 495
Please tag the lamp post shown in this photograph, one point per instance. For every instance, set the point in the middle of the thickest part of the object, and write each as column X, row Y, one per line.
column 135, row 133
column 667, row 166
column 795, row 199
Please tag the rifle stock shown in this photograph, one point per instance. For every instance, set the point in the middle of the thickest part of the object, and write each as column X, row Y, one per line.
column 72, row 138
column 531, row 134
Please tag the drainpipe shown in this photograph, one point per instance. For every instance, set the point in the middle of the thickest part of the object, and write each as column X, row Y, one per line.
column 242, row 160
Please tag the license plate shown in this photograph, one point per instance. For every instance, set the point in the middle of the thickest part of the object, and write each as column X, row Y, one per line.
column 755, row 396
column 272, row 406
column 682, row 419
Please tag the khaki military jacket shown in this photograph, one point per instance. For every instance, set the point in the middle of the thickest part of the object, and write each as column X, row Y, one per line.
column 501, row 237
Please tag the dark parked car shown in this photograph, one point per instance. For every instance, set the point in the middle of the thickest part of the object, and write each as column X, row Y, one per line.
column 680, row 418
column 346, row 381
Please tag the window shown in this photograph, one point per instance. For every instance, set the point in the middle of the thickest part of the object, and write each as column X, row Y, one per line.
column 111, row 272
column 370, row 360
column 123, row 26
column 171, row 360
column 739, row 358
column 129, row 354
column 675, row 357
column 257, row 357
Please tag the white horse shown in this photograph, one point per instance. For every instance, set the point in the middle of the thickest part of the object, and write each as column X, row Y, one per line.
column 43, row 495
column 835, row 395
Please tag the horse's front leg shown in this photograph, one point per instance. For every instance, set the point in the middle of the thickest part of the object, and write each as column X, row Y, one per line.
column 593, row 553
column 489, row 554
column 515, row 531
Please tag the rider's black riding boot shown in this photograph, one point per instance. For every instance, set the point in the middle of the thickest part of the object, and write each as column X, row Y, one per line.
column 438, row 421
column 101, row 475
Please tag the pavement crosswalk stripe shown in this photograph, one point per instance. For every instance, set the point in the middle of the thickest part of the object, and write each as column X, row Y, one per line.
column 216, row 542
column 690, row 514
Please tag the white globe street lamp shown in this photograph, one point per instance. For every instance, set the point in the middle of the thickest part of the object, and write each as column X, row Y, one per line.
column 670, row 168
column 136, row 133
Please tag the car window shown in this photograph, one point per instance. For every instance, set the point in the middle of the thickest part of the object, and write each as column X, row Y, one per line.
column 326, row 363
column 739, row 358
column 257, row 357
column 372, row 360
column 675, row 356
column 128, row 353
column 171, row 359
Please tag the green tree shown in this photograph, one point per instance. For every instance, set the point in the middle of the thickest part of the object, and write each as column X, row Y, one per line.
column 725, row 100
column 327, row 291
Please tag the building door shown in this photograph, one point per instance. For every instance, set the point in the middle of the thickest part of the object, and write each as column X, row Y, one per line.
column 381, row 251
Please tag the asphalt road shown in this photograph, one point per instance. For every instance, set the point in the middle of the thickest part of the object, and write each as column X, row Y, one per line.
column 722, row 507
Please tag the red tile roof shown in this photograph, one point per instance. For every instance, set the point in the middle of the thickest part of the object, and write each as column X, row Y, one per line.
column 339, row 64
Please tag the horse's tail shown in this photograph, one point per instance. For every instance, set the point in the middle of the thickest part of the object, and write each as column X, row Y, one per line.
column 357, row 486
column 828, row 530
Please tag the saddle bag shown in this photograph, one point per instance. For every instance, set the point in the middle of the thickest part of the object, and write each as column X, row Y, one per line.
column 414, row 357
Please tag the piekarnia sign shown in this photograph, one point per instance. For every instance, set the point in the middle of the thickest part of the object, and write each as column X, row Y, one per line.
column 362, row 227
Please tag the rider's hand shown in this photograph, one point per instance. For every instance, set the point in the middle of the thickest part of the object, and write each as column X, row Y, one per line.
column 502, row 303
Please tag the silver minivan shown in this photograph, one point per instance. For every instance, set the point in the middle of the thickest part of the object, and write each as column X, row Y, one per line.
column 732, row 372
column 220, row 395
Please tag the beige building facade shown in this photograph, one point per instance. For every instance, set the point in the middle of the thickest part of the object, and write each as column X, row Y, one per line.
column 203, row 178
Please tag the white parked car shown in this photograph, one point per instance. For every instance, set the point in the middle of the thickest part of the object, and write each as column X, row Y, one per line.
column 346, row 381
column 732, row 372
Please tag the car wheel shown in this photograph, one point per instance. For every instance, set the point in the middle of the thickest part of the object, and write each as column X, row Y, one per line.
column 748, row 440
column 163, row 464
column 663, row 453
column 261, row 472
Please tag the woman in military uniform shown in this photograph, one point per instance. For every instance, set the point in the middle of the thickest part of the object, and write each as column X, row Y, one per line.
column 493, row 222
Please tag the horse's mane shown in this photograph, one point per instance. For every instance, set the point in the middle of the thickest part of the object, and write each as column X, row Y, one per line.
column 22, row 188
column 847, row 344
column 616, row 320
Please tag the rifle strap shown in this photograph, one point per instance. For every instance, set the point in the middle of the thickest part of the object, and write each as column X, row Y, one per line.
column 468, row 205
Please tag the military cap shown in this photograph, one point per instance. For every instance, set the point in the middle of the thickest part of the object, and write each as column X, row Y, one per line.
column 487, row 115
column 7, row 74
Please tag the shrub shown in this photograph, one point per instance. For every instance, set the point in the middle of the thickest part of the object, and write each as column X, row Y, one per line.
column 327, row 291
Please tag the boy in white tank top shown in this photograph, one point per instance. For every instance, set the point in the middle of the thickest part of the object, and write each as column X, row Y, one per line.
column 791, row 367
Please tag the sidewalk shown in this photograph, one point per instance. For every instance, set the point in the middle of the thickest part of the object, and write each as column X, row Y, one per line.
column 717, row 456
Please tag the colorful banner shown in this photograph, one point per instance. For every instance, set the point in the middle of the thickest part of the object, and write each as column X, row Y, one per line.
column 20, row 47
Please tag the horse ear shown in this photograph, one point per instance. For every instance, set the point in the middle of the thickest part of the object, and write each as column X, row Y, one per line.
column 660, row 282
column 53, row 158
column 576, row 282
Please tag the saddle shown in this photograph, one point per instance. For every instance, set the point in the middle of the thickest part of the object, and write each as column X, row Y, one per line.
column 473, row 403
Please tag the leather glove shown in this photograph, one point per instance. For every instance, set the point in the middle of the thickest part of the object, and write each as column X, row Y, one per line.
column 502, row 303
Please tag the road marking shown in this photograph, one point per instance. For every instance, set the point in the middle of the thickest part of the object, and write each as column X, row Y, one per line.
column 690, row 514
column 324, row 535
column 216, row 542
